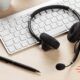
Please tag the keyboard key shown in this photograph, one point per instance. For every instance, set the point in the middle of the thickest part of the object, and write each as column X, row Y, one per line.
column 16, row 40
column 25, row 19
column 42, row 18
column 17, row 34
column 41, row 30
column 19, row 27
column 24, row 25
column 65, row 21
column 48, row 27
column 12, row 22
column 18, row 20
column 37, row 20
column 18, row 46
column 65, row 16
column 28, row 35
column 48, row 16
column 23, row 37
column 60, row 23
column 5, row 32
column 30, row 41
column 71, row 19
column 47, row 22
column 61, row 12
column 54, row 13
column 23, row 31
column 35, row 26
column 43, row 13
column 41, row 24
column 54, row 19
column 6, row 27
column 8, row 37
column 77, row 1
column 12, row 30
column 60, row 17
column 11, row 48
column 9, row 43
column 54, row 25
column 24, row 43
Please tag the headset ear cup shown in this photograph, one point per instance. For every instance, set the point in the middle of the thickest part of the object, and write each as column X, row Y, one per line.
column 45, row 47
column 74, row 33
column 49, row 41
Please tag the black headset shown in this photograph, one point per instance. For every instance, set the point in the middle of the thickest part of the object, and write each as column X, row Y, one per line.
column 48, row 42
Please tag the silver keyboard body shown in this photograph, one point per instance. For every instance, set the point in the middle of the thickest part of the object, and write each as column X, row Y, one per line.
column 14, row 32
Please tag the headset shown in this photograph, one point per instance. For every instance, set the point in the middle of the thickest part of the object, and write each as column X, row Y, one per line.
column 48, row 42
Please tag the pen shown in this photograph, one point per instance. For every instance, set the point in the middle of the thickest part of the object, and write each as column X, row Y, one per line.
column 6, row 60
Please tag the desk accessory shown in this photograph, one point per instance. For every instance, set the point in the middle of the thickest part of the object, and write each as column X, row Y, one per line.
column 6, row 60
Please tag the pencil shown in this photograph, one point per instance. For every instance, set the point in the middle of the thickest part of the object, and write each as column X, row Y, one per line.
column 6, row 60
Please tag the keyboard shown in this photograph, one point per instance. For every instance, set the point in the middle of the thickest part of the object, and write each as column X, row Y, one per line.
column 75, row 4
column 14, row 33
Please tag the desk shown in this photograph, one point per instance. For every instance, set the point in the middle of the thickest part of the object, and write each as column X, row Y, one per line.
column 36, row 57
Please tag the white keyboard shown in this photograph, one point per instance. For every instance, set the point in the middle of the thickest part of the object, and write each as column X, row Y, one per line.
column 75, row 4
column 14, row 32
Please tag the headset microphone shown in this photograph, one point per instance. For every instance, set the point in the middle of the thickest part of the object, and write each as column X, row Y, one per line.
column 61, row 66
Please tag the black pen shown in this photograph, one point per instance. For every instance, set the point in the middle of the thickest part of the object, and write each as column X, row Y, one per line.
column 18, row 64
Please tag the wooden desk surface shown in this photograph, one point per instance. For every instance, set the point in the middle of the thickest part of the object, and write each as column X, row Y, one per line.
column 36, row 57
